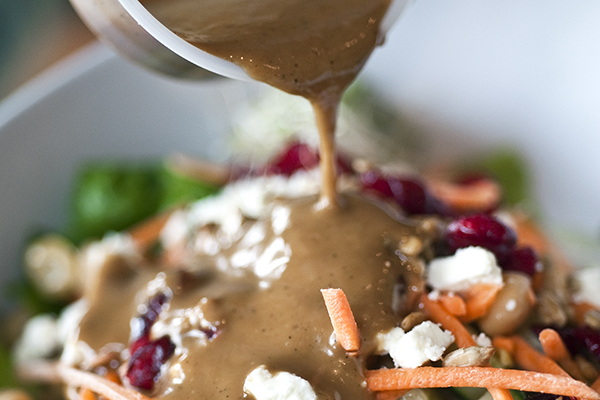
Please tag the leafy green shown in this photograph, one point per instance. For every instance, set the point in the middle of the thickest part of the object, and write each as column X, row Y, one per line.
column 178, row 189
column 112, row 196
column 7, row 376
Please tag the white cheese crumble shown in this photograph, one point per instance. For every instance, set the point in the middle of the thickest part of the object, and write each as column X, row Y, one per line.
column 424, row 342
column 465, row 268
column 482, row 340
column 588, row 282
column 263, row 385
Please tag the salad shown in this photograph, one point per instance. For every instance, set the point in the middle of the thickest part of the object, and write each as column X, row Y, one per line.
column 224, row 281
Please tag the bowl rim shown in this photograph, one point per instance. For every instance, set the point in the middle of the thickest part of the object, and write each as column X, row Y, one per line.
column 51, row 79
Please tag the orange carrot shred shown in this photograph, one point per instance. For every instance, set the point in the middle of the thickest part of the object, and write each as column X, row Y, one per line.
column 86, row 394
column 553, row 345
column 455, row 305
column 342, row 319
column 482, row 195
column 501, row 342
column 478, row 299
column 530, row 359
column 439, row 314
column 555, row 348
column 147, row 232
column 462, row 337
column 499, row 378
column 113, row 377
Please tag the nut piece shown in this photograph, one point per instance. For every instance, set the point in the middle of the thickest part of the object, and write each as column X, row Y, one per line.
column 413, row 319
column 411, row 246
column 475, row 356
column 511, row 308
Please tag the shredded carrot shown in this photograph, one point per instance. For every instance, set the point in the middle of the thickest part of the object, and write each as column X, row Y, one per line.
column 440, row 315
column 555, row 348
column 113, row 377
column 462, row 337
column 530, row 359
column 499, row 378
column 455, row 305
column 504, row 343
column 481, row 195
column 147, row 232
column 342, row 319
column 478, row 299
column 97, row 384
column 86, row 394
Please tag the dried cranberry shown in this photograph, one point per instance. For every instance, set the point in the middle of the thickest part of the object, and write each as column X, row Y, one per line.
column 522, row 259
column 299, row 156
column 481, row 230
column 146, row 361
column 153, row 308
column 294, row 157
column 409, row 193
column 582, row 340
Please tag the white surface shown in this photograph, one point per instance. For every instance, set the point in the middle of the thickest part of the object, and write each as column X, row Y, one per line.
column 477, row 72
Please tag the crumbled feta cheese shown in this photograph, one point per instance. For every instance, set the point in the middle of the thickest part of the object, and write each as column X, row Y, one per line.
column 38, row 340
column 263, row 385
column 588, row 281
column 465, row 268
column 424, row 342
column 482, row 340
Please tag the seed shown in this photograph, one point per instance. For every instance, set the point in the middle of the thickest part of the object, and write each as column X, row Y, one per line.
column 413, row 319
column 411, row 246
column 475, row 356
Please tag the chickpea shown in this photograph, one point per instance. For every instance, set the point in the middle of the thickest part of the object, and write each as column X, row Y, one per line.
column 511, row 307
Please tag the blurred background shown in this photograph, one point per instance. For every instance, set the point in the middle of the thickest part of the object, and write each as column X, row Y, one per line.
column 33, row 35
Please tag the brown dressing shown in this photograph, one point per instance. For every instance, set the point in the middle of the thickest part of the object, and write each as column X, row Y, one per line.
column 311, row 48
column 284, row 326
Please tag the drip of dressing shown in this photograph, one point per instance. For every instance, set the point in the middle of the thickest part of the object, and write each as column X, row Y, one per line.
column 311, row 48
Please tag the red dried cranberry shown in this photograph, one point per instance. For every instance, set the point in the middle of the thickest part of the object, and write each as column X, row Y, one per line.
column 153, row 308
column 582, row 340
column 294, row 157
column 146, row 361
column 409, row 193
column 481, row 230
column 522, row 259
column 300, row 156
